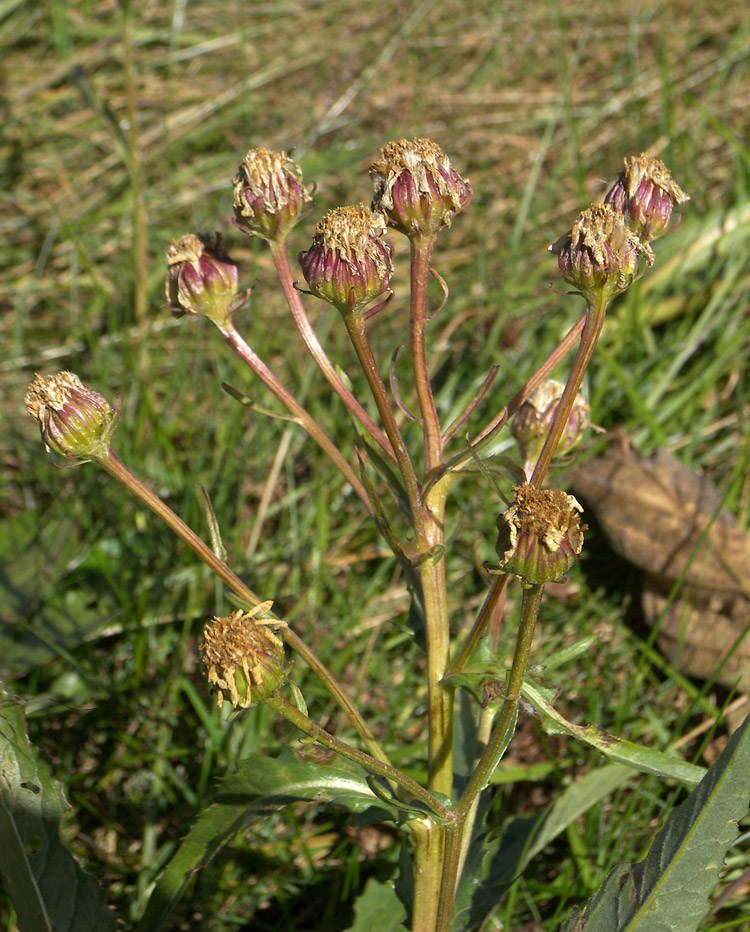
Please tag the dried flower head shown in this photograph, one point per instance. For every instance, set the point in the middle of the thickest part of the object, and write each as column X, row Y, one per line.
column 244, row 659
column 417, row 187
column 349, row 263
column 646, row 194
column 201, row 278
column 600, row 256
column 540, row 535
column 269, row 196
column 533, row 420
column 74, row 420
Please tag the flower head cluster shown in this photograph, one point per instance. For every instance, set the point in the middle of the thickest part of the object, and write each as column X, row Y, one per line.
column 349, row 263
column 417, row 187
column 201, row 278
column 601, row 254
column 540, row 535
column 244, row 659
column 533, row 420
column 75, row 421
column 269, row 196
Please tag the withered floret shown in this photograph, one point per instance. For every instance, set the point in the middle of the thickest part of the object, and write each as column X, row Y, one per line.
column 269, row 196
column 532, row 422
column 646, row 194
column 600, row 256
column 540, row 535
column 74, row 420
column 349, row 263
column 417, row 187
column 201, row 278
column 244, row 659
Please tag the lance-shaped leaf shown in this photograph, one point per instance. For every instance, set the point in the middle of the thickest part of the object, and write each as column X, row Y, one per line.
column 47, row 887
column 618, row 750
column 668, row 891
column 259, row 786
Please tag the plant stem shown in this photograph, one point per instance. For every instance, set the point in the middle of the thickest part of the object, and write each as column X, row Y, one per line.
column 355, row 325
column 591, row 330
column 429, row 850
column 489, row 432
column 499, row 740
column 432, row 573
column 478, row 628
column 421, row 250
column 119, row 471
column 304, row 418
column 383, row 769
column 283, row 269
column 484, row 731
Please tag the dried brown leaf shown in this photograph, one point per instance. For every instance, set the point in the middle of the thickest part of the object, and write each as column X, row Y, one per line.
column 667, row 520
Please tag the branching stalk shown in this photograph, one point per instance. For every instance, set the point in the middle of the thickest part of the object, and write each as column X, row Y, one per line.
column 304, row 418
column 119, row 471
column 309, row 727
column 421, row 250
column 594, row 320
column 283, row 269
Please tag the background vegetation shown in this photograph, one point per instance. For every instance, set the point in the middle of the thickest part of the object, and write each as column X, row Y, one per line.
column 122, row 127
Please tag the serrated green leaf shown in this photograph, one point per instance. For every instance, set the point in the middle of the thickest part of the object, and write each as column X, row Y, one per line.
column 378, row 909
column 260, row 785
column 668, row 891
column 47, row 887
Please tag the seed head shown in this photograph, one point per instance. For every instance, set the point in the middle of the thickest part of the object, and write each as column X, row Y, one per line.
column 349, row 263
column 646, row 194
column 600, row 256
column 417, row 187
column 75, row 421
column 540, row 535
column 244, row 659
column 269, row 197
column 201, row 278
column 533, row 420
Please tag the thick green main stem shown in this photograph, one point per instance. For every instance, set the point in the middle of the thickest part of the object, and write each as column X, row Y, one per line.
column 119, row 471
column 432, row 573
column 532, row 598
column 429, row 851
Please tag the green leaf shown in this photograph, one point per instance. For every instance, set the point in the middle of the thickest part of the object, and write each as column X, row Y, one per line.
column 259, row 786
column 378, row 908
column 47, row 887
column 491, row 868
column 617, row 750
column 668, row 891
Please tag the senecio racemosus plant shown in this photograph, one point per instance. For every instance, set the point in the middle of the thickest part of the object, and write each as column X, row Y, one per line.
column 349, row 265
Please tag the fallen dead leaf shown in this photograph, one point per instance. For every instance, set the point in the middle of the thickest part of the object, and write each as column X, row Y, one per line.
column 668, row 521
